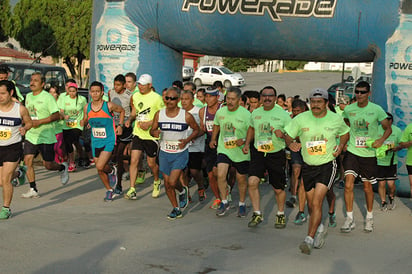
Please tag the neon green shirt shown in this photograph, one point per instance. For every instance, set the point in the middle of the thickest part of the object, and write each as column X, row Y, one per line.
column 146, row 107
column 74, row 109
column 392, row 141
column 233, row 126
column 41, row 106
column 364, row 124
column 265, row 122
column 406, row 137
column 318, row 136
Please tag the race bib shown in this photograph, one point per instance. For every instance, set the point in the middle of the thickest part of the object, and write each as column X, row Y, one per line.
column 142, row 118
column 230, row 142
column 99, row 132
column 360, row 142
column 316, row 147
column 5, row 134
column 209, row 126
column 265, row 146
column 171, row 146
column 71, row 123
column 34, row 117
column 390, row 144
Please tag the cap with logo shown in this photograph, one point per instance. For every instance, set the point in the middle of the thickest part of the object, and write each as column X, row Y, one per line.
column 212, row 91
column 319, row 93
column 145, row 79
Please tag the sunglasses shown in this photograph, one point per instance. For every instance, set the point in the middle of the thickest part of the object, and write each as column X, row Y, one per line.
column 171, row 98
column 361, row 91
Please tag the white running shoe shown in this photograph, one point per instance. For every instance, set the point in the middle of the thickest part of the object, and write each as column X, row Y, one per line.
column 368, row 225
column 64, row 174
column 31, row 194
column 348, row 226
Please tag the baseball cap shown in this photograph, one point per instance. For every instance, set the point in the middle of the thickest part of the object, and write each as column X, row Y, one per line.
column 212, row 91
column 319, row 93
column 145, row 79
column 74, row 85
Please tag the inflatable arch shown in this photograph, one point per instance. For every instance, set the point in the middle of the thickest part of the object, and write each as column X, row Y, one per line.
column 149, row 36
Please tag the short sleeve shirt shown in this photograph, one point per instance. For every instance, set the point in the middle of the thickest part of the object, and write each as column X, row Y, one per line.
column 392, row 141
column 265, row 122
column 406, row 137
column 74, row 108
column 318, row 136
column 364, row 124
column 233, row 126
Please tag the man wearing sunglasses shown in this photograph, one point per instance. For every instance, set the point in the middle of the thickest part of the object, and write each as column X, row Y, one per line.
column 363, row 118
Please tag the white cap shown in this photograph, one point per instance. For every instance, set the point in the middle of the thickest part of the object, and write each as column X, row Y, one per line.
column 145, row 79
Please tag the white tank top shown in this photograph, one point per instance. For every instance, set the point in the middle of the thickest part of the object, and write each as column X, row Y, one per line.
column 122, row 100
column 198, row 145
column 10, row 122
column 172, row 130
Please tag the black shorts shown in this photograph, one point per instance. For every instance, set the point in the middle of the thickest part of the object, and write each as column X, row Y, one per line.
column 365, row 167
column 210, row 158
column 324, row 174
column 127, row 135
column 46, row 150
column 151, row 147
column 296, row 158
column 274, row 163
column 241, row 167
column 409, row 169
column 11, row 153
column 70, row 137
column 387, row 173
column 195, row 160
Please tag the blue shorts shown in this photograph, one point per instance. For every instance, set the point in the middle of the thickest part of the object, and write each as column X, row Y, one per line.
column 109, row 147
column 171, row 161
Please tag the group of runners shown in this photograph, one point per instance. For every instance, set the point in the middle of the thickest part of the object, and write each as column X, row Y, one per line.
column 214, row 136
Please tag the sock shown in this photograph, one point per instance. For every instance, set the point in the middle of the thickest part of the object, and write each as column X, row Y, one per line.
column 369, row 215
column 224, row 201
column 33, row 186
column 331, row 214
column 281, row 213
column 350, row 215
column 242, row 203
column 309, row 240
column 321, row 228
column 257, row 212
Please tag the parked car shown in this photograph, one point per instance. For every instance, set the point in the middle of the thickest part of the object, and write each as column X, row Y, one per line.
column 348, row 86
column 187, row 73
column 210, row 75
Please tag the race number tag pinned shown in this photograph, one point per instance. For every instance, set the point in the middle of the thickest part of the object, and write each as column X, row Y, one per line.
column 265, row 146
column 99, row 132
column 230, row 142
column 172, row 146
column 360, row 141
column 316, row 147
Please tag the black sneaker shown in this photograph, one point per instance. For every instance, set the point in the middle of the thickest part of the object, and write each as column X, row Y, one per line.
column 291, row 203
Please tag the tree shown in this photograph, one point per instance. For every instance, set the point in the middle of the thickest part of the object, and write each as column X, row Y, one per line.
column 241, row 64
column 5, row 20
column 294, row 65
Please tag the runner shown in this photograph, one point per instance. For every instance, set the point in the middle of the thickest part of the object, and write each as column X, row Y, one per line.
column 98, row 114
column 145, row 104
column 14, row 123
column 317, row 130
column 363, row 117
column 41, row 137
column 267, row 153
column 406, row 142
column 231, row 122
column 172, row 123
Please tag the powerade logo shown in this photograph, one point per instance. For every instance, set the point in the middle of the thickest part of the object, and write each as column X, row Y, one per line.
column 118, row 47
column 275, row 8
column 403, row 66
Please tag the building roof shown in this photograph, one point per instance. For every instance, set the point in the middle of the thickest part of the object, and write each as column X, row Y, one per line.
column 8, row 52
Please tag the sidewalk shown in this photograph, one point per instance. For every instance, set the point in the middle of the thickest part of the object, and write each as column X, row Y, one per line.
column 69, row 229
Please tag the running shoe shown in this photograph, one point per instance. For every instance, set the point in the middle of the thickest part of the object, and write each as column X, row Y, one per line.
column 72, row 167
column 300, row 218
column 384, row 206
column 348, row 226
column 332, row 220
column 391, row 205
column 205, row 182
column 131, row 194
column 113, row 177
column 241, row 213
column 202, row 194
column 175, row 214
column 15, row 182
column 156, row 189
column 306, row 246
column 280, row 221
column 215, row 204
column 368, row 225
column 184, row 198
column 141, row 176
column 109, row 196
column 92, row 163
column 117, row 191
column 86, row 164
column 256, row 219
column 64, row 174
column 228, row 193
column 221, row 211
column 5, row 213
column 22, row 175
column 341, row 184
column 319, row 240
column 31, row 194
column 291, row 203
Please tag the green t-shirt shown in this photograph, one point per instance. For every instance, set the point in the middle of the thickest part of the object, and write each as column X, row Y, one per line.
column 74, row 108
column 338, row 110
column 364, row 124
column 265, row 122
column 392, row 141
column 41, row 106
column 233, row 126
column 406, row 137
column 146, row 107
column 318, row 136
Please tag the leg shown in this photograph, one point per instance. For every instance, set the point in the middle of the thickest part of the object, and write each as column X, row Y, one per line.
column 222, row 169
column 103, row 168
column 151, row 162
column 242, row 185
column 28, row 161
column 331, row 198
column 302, row 196
column 6, row 173
column 316, row 202
column 213, row 182
column 134, row 161
column 369, row 195
column 349, row 182
column 280, row 195
column 382, row 191
column 254, row 195
column 171, row 184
